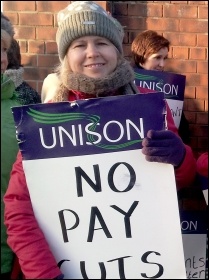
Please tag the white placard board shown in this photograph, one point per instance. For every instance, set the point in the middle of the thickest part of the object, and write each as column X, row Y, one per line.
column 105, row 211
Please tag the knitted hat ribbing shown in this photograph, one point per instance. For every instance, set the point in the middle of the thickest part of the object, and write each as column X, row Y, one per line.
column 7, row 31
column 86, row 18
column 6, row 25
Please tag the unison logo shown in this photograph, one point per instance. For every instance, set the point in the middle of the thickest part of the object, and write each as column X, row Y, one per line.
column 151, row 82
column 111, row 135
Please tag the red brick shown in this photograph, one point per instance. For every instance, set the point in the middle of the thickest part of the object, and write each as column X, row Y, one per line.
column 193, row 79
column 204, row 80
column 26, row 32
column 23, row 46
column 126, row 37
column 181, row 52
column 189, row 25
column 51, row 48
column 39, row 86
column 163, row 24
column 179, row 39
column 36, row 19
column 31, row 73
column 145, row 9
column 36, row 47
column 48, row 60
column 186, row 100
column 202, row 67
column 202, row 118
column 202, row 92
column 46, row 33
column 154, row 9
column 197, row 53
column 206, row 106
column 132, row 23
column 120, row 9
column 36, row 73
column 202, row 40
column 179, row 11
column 190, row 116
column 195, row 105
column 181, row 66
column 127, row 50
column 198, row 131
column 29, row 60
column 189, row 92
column 51, row 6
column 19, row 6
column 138, row 9
column 185, row 106
column 197, row 2
column 202, row 130
column 176, row 2
column 203, row 12
column 133, row 34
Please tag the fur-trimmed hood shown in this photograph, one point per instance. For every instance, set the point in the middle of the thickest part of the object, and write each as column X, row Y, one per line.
column 122, row 80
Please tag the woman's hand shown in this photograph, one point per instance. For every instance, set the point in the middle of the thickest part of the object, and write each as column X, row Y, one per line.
column 163, row 146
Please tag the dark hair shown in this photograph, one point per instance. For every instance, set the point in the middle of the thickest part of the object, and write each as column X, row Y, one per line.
column 14, row 56
column 146, row 44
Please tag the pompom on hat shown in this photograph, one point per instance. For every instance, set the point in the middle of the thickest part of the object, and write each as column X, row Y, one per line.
column 86, row 18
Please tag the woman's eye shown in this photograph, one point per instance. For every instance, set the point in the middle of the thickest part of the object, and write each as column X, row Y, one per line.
column 79, row 46
column 158, row 57
column 102, row 43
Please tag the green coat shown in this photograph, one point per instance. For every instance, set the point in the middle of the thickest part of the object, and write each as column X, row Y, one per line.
column 9, row 149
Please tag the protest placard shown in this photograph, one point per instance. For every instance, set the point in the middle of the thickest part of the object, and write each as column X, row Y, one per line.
column 105, row 211
column 173, row 85
column 194, row 232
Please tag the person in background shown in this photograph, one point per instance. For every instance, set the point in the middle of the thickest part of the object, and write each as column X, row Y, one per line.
column 91, row 65
column 150, row 52
column 15, row 71
column 9, row 146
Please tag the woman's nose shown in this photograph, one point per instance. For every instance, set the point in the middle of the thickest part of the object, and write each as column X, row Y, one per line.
column 162, row 63
column 92, row 50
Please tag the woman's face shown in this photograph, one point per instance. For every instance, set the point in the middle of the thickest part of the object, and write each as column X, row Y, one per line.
column 93, row 56
column 156, row 61
column 4, row 59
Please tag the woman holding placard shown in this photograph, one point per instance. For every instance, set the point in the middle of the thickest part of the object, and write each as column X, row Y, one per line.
column 150, row 52
column 92, row 65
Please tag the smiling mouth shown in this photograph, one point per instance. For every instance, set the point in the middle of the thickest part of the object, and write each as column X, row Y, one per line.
column 95, row 65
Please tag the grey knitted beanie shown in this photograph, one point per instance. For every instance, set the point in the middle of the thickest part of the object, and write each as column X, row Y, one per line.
column 6, row 25
column 86, row 18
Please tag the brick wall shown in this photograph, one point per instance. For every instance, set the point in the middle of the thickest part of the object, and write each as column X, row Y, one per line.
column 184, row 23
